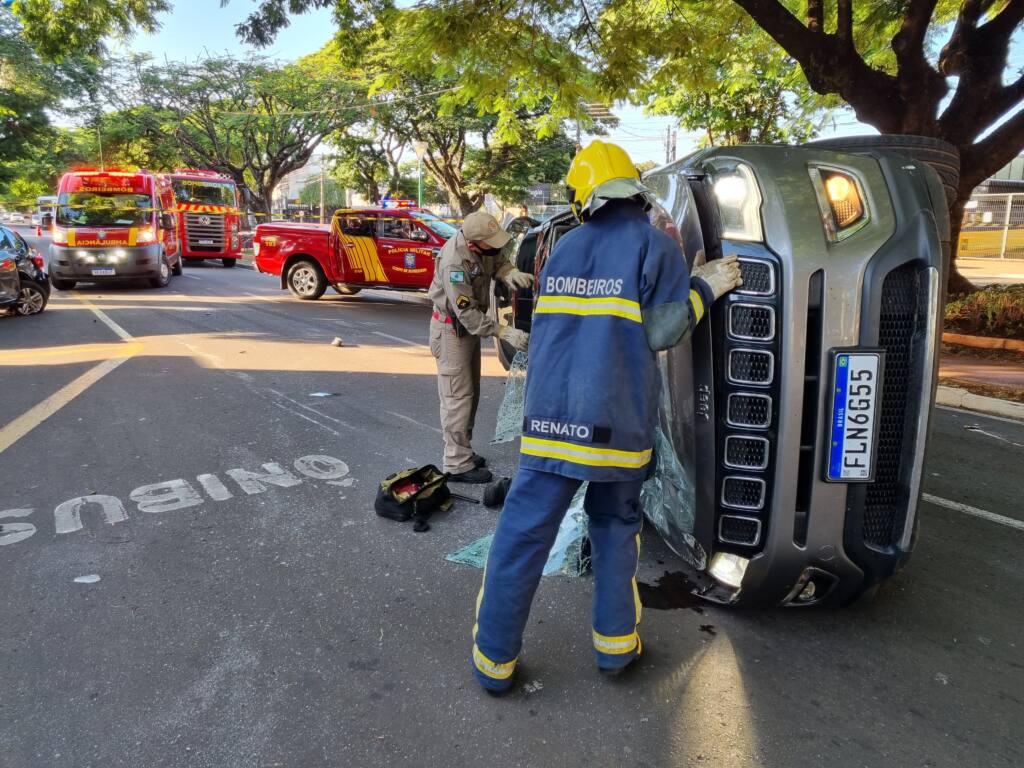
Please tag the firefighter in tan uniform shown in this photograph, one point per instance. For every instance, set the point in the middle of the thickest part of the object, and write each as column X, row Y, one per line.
column 460, row 293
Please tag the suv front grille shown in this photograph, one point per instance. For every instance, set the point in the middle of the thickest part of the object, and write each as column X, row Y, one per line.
column 747, row 409
column 751, row 322
column 751, row 366
column 901, row 331
column 208, row 236
column 743, row 492
column 743, row 452
column 758, row 277
column 734, row 529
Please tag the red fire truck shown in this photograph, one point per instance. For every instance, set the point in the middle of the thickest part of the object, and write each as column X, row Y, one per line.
column 208, row 215
column 112, row 225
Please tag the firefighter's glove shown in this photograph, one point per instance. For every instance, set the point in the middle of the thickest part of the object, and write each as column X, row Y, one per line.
column 520, row 340
column 720, row 275
column 518, row 280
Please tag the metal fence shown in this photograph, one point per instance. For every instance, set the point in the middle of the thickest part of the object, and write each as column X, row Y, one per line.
column 993, row 227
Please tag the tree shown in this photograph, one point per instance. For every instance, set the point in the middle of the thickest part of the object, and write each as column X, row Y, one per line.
column 748, row 92
column 334, row 193
column 249, row 119
column 77, row 27
column 936, row 68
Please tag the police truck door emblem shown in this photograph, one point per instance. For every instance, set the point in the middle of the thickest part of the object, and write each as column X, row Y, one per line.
column 410, row 261
column 204, row 220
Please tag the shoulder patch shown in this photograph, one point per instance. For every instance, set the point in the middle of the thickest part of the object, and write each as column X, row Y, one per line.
column 457, row 276
column 463, row 301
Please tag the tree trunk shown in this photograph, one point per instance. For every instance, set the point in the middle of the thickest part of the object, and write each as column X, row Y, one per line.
column 956, row 283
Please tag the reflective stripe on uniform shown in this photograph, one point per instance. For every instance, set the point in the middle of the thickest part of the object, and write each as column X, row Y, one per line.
column 582, row 454
column 616, row 645
column 698, row 306
column 576, row 305
column 490, row 668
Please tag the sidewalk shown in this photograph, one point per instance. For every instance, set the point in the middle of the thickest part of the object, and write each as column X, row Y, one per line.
column 988, row 271
column 990, row 382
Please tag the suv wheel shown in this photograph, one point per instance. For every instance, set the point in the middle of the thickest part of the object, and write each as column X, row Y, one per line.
column 163, row 276
column 31, row 300
column 305, row 280
column 62, row 285
column 178, row 267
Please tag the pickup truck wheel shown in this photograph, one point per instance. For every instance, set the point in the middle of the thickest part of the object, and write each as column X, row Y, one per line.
column 163, row 275
column 62, row 285
column 306, row 281
column 345, row 290
column 228, row 263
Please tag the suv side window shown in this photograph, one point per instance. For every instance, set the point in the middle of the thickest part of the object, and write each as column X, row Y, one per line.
column 19, row 242
column 6, row 243
column 358, row 225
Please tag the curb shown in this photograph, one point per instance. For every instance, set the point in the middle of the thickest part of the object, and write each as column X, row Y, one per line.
column 983, row 342
column 961, row 398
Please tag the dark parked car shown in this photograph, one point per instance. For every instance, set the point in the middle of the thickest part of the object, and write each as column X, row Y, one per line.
column 799, row 409
column 24, row 286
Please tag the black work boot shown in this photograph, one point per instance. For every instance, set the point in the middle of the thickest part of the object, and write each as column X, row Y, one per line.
column 479, row 461
column 476, row 476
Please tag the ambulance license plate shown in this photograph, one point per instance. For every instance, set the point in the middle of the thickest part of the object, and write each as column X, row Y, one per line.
column 206, row 242
column 853, row 435
column 103, row 271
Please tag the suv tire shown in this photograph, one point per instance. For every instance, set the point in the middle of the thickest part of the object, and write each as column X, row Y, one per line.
column 62, row 285
column 179, row 266
column 306, row 280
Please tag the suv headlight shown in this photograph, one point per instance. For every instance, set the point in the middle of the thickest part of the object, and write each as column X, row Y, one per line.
column 841, row 200
column 739, row 201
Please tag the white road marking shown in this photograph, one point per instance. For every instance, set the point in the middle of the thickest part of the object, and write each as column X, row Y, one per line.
column 956, row 506
column 105, row 319
column 413, row 421
column 400, row 339
column 978, row 414
column 293, row 412
column 976, row 428
column 192, row 277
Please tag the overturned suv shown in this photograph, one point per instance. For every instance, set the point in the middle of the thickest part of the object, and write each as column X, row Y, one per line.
column 798, row 411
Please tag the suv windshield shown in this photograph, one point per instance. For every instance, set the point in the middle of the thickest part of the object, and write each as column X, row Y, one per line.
column 204, row 192
column 101, row 209
column 434, row 224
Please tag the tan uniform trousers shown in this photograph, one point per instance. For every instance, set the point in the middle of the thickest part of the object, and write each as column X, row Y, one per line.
column 458, row 386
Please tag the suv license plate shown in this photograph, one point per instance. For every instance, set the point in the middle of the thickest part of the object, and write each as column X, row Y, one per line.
column 856, row 382
column 103, row 271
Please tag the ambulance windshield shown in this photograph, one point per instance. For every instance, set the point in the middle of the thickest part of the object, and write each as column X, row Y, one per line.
column 437, row 226
column 103, row 209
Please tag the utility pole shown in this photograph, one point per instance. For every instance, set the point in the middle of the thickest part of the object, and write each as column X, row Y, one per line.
column 99, row 140
column 321, row 189
column 420, row 148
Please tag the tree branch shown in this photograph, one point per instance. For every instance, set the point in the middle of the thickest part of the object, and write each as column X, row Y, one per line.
column 980, row 160
column 815, row 15
column 844, row 21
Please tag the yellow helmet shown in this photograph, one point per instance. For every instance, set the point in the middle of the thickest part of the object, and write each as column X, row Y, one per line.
column 594, row 167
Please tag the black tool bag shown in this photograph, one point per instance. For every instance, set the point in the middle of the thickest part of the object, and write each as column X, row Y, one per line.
column 414, row 494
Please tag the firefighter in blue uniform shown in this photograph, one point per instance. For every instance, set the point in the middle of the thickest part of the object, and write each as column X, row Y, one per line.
column 613, row 292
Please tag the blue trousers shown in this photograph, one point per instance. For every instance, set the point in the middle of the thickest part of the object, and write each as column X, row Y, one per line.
column 534, row 508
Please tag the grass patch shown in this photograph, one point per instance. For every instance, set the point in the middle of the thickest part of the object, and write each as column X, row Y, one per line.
column 997, row 310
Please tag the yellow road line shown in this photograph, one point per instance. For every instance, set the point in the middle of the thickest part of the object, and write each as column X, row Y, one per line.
column 13, row 431
column 33, row 417
column 109, row 349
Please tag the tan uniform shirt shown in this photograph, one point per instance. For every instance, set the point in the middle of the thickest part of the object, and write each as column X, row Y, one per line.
column 462, row 284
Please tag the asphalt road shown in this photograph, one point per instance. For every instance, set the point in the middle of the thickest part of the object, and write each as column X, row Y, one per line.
column 265, row 616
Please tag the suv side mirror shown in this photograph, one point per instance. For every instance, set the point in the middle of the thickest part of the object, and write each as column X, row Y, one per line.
column 166, row 221
column 46, row 221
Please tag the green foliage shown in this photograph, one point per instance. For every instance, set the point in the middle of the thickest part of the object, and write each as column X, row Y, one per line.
column 334, row 193
column 75, row 27
column 248, row 118
column 997, row 310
